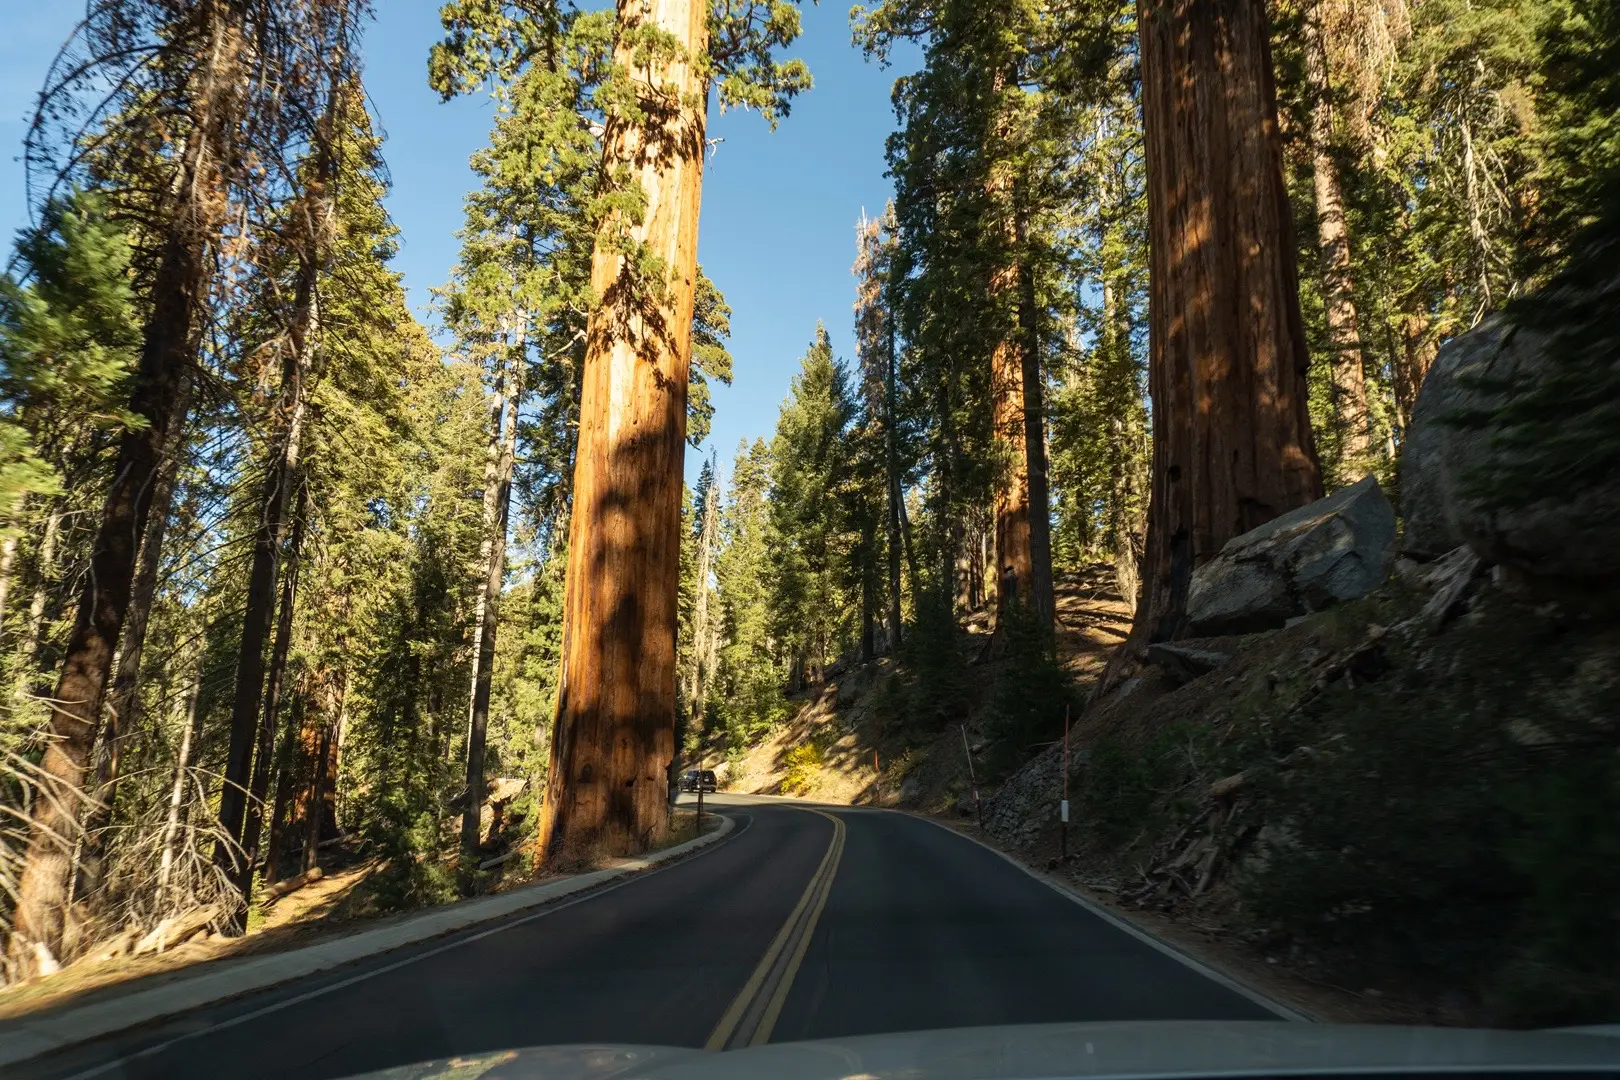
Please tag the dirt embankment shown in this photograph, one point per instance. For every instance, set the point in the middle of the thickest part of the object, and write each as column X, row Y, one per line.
column 848, row 743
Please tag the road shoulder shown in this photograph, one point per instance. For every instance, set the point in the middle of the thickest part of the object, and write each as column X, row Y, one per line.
column 61, row 1027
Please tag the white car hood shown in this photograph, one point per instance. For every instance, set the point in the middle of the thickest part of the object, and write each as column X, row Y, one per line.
column 1129, row 1051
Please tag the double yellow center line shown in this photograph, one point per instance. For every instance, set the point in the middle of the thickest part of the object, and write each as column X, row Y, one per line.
column 752, row 1015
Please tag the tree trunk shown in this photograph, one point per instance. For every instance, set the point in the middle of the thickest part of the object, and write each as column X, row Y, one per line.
column 497, row 513
column 177, row 790
column 896, row 494
column 615, row 724
column 8, row 564
column 270, row 537
column 47, row 571
column 1232, row 444
column 1352, row 417
column 168, row 349
column 287, row 606
column 869, row 592
column 289, row 774
column 1014, row 559
column 1416, row 357
column 702, row 628
column 1037, row 482
column 121, row 714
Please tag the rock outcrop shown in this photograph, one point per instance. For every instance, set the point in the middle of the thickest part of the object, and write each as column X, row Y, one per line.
column 1334, row 549
column 1571, row 534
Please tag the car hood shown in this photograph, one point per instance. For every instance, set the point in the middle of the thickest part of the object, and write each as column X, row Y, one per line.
column 1093, row 1051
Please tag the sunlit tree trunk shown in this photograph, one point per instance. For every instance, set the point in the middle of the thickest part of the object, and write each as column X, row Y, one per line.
column 47, row 572
column 615, row 724
column 1232, row 444
column 703, row 630
column 177, row 789
column 1023, row 548
column 497, row 512
column 1352, row 417
column 169, row 344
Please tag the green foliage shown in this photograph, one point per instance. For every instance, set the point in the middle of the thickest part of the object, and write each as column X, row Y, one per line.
column 1129, row 792
column 931, row 654
column 749, row 684
column 1031, row 689
column 1560, row 436
column 803, row 766
column 1462, row 822
column 69, row 335
column 808, row 534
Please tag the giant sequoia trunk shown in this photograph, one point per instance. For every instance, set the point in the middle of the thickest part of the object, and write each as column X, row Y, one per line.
column 168, row 350
column 1352, row 419
column 1227, row 360
column 497, row 513
column 1023, row 548
column 616, row 703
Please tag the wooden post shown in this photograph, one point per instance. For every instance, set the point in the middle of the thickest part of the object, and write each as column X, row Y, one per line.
column 978, row 810
column 1063, row 807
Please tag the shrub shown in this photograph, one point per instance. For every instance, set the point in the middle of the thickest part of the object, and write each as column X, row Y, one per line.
column 1031, row 690
column 803, row 766
column 1463, row 831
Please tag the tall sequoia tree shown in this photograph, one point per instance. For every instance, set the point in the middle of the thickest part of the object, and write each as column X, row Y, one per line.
column 1232, row 444
column 614, row 732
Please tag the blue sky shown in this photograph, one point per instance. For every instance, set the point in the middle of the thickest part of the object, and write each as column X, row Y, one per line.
column 779, row 208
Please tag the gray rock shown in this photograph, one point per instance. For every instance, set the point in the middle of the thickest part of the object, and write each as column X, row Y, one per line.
column 1570, row 534
column 1334, row 549
column 1183, row 663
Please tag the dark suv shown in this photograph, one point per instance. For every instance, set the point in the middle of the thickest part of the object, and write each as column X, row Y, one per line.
column 699, row 780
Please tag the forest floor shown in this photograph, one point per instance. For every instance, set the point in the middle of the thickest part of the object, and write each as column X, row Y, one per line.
column 341, row 902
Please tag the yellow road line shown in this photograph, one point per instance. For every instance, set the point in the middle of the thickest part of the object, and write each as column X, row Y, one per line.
column 815, row 892
column 762, row 1033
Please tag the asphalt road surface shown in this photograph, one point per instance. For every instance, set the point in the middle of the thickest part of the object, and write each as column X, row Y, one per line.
column 803, row 924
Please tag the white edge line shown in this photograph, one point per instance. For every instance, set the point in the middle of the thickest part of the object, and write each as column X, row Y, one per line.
column 629, row 875
column 1282, row 1011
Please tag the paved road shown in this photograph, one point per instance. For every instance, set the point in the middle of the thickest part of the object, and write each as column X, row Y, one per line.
column 802, row 924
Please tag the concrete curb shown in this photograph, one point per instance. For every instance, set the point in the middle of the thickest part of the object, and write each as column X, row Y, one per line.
column 29, row 1037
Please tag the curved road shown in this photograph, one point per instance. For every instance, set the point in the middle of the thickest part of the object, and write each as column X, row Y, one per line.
column 805, row 923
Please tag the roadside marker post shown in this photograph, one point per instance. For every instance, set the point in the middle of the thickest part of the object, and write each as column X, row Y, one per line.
column 1063, row 807
column 978, row 810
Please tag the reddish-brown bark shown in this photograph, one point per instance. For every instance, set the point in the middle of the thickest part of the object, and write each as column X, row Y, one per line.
column 614, row 732
column 1227, row 358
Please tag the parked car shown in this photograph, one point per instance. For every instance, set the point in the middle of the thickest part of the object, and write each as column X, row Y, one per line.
column 699, row 780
